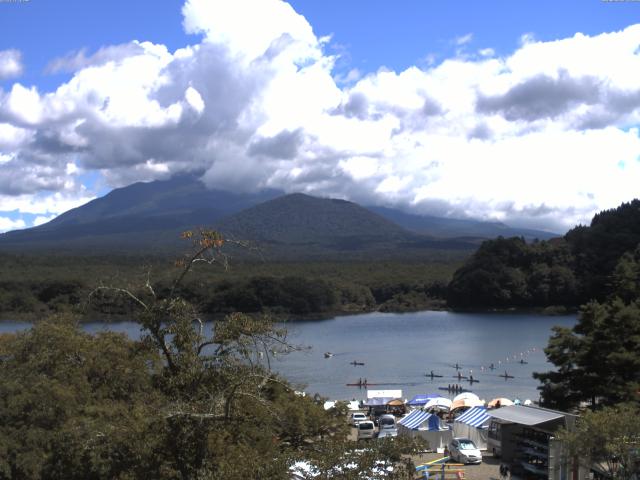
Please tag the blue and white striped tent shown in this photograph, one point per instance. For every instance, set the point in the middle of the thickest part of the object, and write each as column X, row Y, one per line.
column 473, row 424
column 476, row 417
column 419, row 418
column 427, row 426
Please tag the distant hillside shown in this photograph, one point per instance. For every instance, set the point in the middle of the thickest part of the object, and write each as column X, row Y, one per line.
column 453, row 227
column 150, row 216
column 142, row 216
column 303, row 219
column 179, row 201
column 299, row 225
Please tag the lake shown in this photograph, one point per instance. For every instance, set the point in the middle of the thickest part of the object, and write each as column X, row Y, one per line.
column 399, row 349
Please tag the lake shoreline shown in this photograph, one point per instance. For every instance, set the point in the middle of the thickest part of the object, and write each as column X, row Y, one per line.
column 549, row 311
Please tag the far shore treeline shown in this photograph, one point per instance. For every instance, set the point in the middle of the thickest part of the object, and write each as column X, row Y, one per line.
column 33, row 286
column 556, row 276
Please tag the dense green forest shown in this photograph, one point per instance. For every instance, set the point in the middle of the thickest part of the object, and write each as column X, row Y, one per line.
column 565, row 272
column 35, row 285
column 598, row 361
column 177, row 404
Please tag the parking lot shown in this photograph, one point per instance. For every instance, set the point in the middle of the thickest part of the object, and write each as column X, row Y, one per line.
column 487, row 470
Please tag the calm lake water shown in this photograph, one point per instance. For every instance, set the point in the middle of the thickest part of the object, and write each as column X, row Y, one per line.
column 399, row 349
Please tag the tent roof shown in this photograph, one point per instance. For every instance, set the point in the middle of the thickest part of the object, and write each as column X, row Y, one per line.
column 526, row 415
column 418, row 400
column 416, row 418
column 438, row 402
column 476, row 417
column 466, row 402
column 422, row 399
column 504, row 402
column 466, row 396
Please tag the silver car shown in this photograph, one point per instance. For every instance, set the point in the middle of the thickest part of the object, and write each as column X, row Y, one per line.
column 387, row 421
column 464, row 451
column 388, row 433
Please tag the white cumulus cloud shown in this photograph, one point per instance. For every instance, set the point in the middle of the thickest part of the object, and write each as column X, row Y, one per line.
column 7, row 224
column 543, row 137
column 10, row 63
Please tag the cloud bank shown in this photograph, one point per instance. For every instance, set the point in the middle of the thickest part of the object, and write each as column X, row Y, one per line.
column 543, row 137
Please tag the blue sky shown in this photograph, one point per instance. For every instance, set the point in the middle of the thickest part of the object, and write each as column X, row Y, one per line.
column 369, row 33
column 491, row 109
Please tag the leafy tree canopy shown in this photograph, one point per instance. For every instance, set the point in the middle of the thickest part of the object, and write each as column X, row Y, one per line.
column 181, row 403
column 608, row 439
column 566, row 271
column 598, row 361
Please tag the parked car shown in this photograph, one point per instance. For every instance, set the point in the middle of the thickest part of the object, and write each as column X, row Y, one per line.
column 387, row 421
column 465, row 451
column 388, row 433
column 366, row 429
column 357, row 417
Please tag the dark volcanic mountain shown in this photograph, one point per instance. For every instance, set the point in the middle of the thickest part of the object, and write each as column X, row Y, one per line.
column 182, row 201
column 303, row 219
column 150, row 216
column 142, row 216
column 301, row 226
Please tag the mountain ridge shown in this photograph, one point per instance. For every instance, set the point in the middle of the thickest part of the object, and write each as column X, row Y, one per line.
column 150, row 216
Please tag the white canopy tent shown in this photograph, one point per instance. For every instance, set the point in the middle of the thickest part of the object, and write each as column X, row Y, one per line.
column 467, row 396
column 466, row 403
column 439, row 403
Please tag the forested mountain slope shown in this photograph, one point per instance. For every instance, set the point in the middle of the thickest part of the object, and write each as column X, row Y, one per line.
column 568, row 271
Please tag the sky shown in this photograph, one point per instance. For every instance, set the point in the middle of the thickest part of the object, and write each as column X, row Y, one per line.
column 522, row 112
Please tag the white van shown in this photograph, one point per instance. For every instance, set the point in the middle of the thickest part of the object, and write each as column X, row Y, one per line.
column 366, row 429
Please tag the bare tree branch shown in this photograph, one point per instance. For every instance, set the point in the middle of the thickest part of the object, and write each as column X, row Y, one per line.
column 122, row 291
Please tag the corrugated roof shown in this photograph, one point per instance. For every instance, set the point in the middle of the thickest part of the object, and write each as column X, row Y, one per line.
column 526, row 415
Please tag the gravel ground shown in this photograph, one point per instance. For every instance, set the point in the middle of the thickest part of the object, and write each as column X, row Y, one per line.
column 487, row 470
